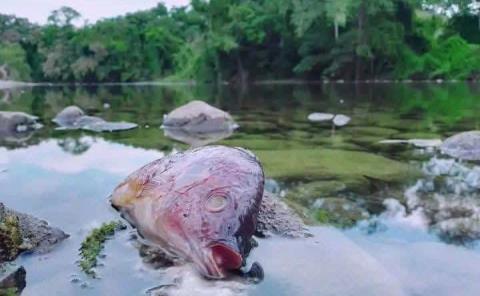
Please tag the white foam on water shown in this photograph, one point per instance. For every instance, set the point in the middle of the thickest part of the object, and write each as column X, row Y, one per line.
column 190, row 282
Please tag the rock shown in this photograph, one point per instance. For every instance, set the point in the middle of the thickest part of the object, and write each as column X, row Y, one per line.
column 272, row 186
column 339, row 212
column 319, row 117
column 21, row 232
column 72, row 117
column 12, row 279
column 275, row 217
column 341, row 120
column 17, row 126
column 449, row 200
column 68, row 116
column 198, row 116
column 465, row 146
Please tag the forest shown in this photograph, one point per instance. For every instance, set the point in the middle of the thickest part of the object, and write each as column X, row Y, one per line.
column 239, row 41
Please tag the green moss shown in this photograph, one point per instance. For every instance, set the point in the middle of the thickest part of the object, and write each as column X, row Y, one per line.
column 10, row 238
column 9, row 292
column 339, row 212
column 306, row 194
column 334, row 141
column 94, row 244
column 350, row 167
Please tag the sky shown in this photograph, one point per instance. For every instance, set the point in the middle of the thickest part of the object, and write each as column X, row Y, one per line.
column 37, row 11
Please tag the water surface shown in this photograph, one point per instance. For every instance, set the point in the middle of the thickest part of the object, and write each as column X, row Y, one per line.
column 396, row 228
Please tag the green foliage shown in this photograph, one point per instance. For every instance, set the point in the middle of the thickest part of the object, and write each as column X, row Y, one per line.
column 94, row 244
column 240, row 40
column 13, row 56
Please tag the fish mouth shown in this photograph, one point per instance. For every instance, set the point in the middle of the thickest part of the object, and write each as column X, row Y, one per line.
column 217, row 259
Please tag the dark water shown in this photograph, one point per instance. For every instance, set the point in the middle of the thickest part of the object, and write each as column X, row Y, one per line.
column 400, row 220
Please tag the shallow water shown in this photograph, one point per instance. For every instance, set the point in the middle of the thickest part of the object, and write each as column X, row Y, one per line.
column 407, row 241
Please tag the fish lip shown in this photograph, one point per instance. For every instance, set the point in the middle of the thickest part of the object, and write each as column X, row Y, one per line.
column 208, row 266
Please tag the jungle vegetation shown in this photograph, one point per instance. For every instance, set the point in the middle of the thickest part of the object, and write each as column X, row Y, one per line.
column 249, row 40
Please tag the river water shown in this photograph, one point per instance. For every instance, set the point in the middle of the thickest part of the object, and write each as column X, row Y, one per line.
column 386, row 219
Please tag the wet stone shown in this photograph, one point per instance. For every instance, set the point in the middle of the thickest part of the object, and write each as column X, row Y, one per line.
column 276, row 218
column 464, row 146
column 12, row 279
column 72, row 117
column 21, row 232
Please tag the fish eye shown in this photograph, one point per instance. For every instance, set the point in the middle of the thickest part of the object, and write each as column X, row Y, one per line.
column 216, row 203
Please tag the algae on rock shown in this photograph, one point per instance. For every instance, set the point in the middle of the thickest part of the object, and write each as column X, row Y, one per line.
column 353, row 168
column 10, row 238
column 94, row 244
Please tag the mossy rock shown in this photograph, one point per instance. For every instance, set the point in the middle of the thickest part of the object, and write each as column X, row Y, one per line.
column 339, row 212
column 12, row 279
column 21, row 232
column 305, row 194
column 350, row 167
column 10, row 238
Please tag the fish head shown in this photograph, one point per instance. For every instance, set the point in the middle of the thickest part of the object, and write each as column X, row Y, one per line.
column 207, row 210
column 211, row 213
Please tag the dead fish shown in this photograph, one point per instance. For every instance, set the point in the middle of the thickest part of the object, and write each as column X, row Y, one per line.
column 201, row 205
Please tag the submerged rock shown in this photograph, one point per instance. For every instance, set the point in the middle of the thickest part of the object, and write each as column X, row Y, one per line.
column 448, row 198
column 337, row 119
column 12, row 279
column 353, row 168
column 21, row 232
column 197, row 123
column 307, row 193
column 339, row 212
column 465, row 146
column 72, row 117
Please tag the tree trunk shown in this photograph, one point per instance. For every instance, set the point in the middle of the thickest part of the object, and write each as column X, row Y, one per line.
column 335, row 25
column 361, row 41
column 3, row 72
column 242, row 74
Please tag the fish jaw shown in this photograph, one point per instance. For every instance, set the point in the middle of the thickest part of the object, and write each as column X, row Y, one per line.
column 216, row 260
